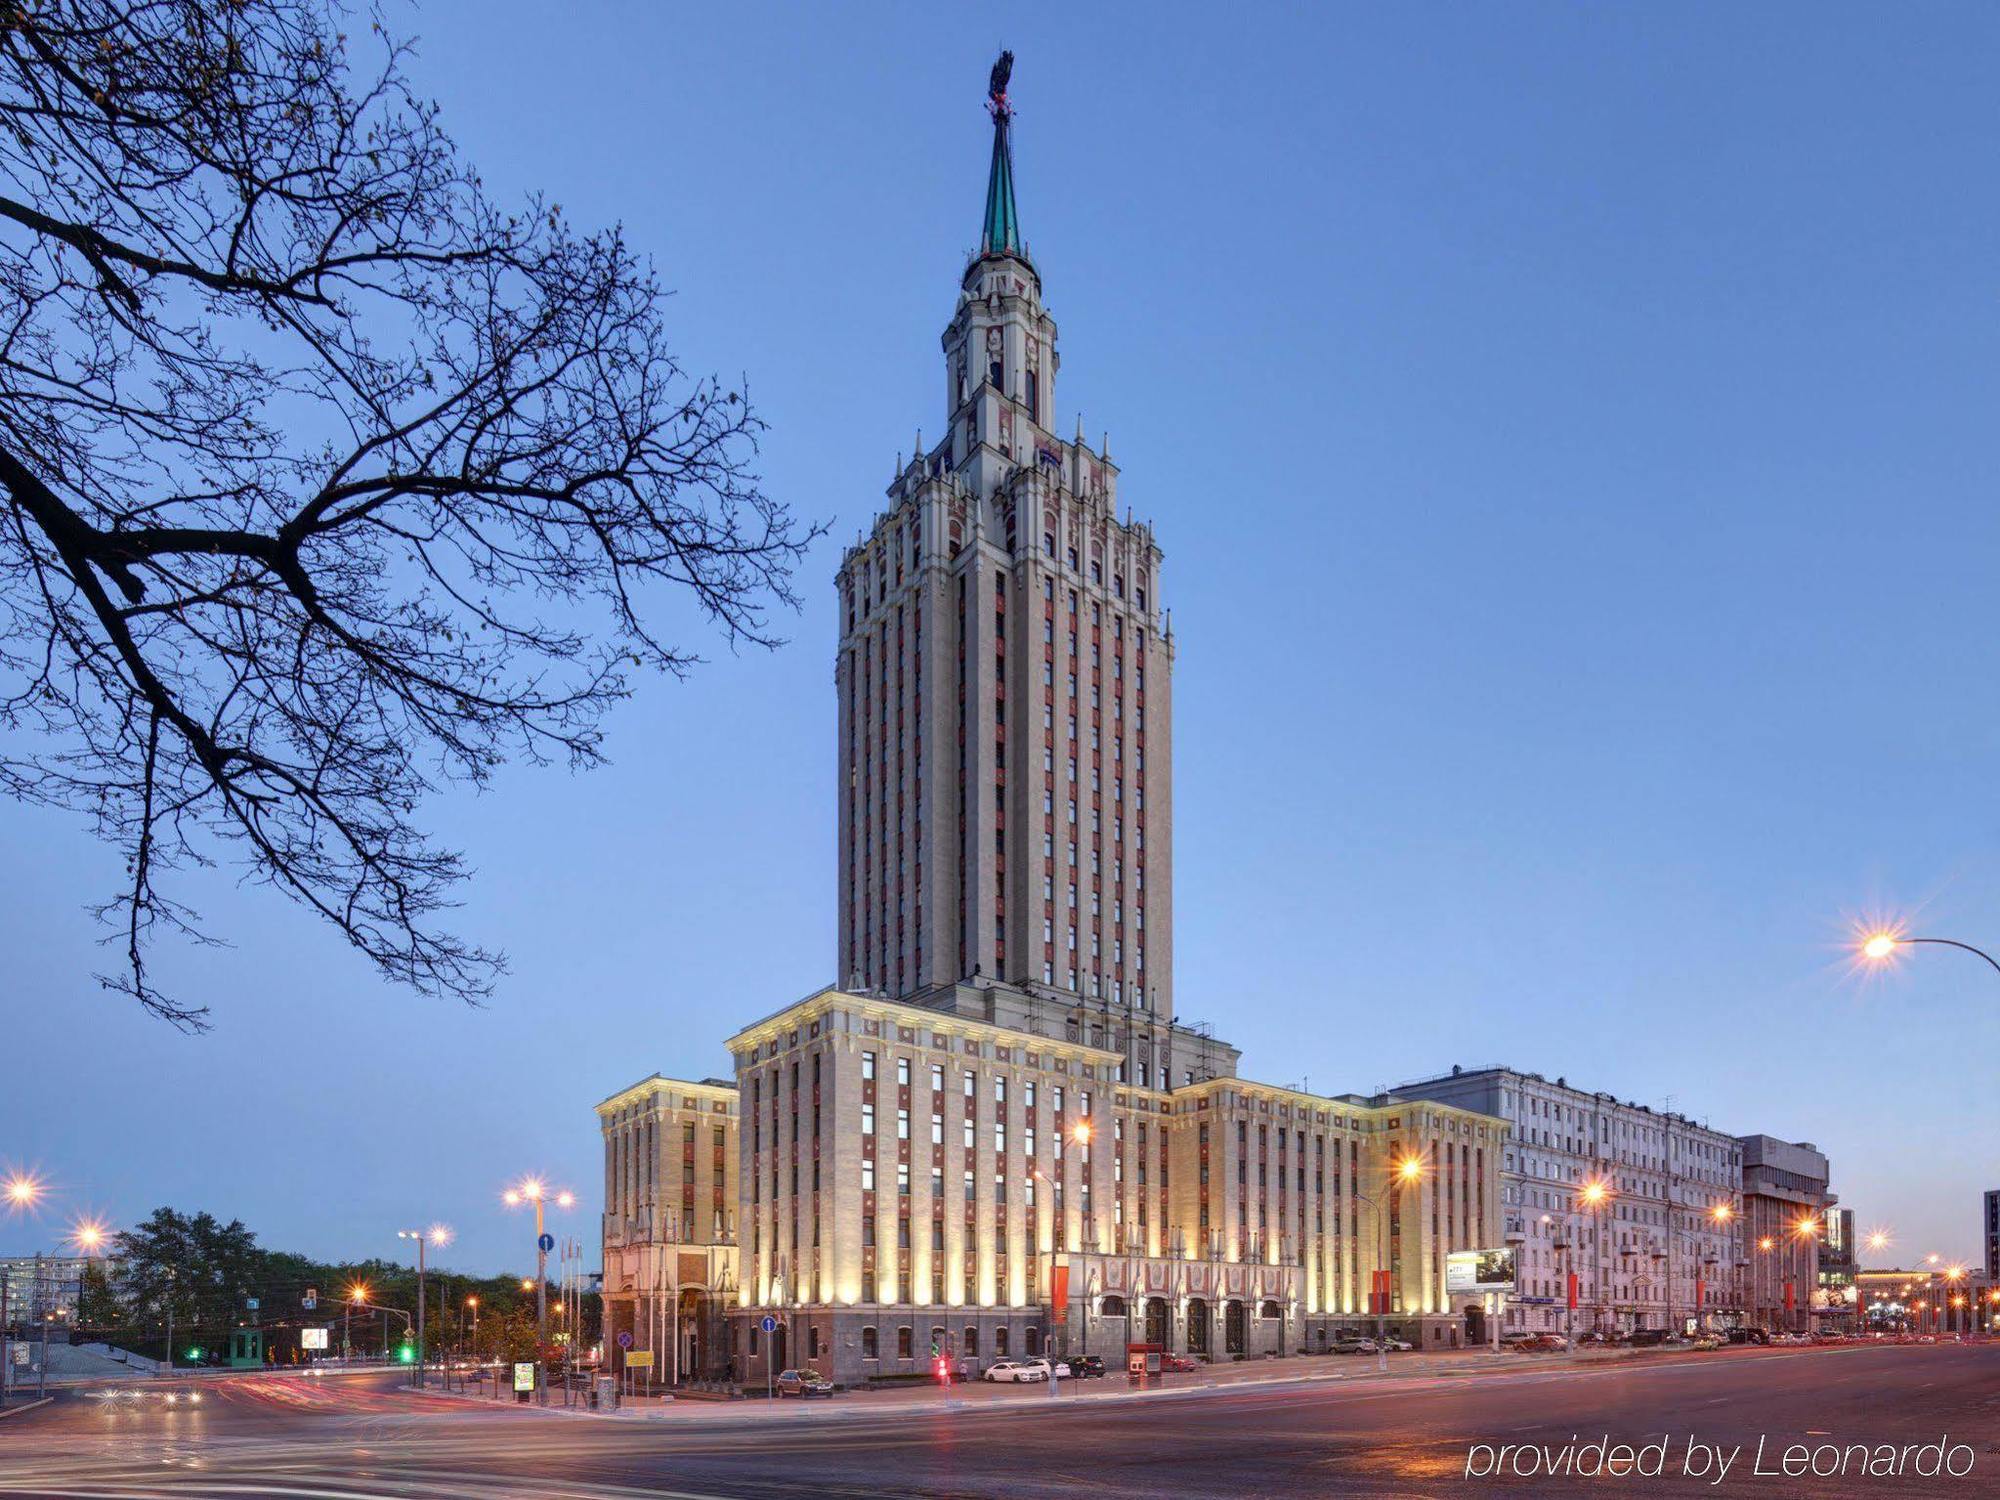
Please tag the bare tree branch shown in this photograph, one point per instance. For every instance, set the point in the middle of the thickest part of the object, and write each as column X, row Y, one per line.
column 326, row 481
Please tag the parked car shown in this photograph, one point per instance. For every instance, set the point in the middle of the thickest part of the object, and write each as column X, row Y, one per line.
column 1749, row 1336
column 1547, row 1343
column 1646, row 1338
column 1706, row 1341
column 1087, row 1367
column 1178, row 1364
column 1396, row 1346
column 1016, row 1370
column 803, row 1383
column 1354, row 1344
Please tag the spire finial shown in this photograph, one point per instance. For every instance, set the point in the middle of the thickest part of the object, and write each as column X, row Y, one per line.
column 1000, row 234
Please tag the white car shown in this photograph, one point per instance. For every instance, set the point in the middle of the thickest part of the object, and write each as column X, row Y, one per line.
column 1397, row 1346
column 1016, row 1370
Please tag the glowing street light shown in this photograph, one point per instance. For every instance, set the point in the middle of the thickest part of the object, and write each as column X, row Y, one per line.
column 534, row 1190
column 1878, row 1239
column 1884, row 944
column 24, row 1189
column 1410, row 1168
column 1722, row 1213
column 436, row 1235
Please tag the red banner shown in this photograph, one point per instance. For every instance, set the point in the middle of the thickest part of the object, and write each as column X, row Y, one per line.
column 1700, row 1287
column 1378, row 1294
column 1789, row 1303
column 1059, row 1291
column 1572, row 1291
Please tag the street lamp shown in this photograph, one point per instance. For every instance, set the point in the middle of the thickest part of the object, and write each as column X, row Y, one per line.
column 357, row 1296
column 437, row 1234
column 534, row 1190
column 1593, row 1195
column 1882, row 946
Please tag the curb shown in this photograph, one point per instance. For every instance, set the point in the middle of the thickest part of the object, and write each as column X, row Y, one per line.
column 15, row 1411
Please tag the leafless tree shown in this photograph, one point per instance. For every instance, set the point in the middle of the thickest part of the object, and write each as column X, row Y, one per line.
column 327, row 480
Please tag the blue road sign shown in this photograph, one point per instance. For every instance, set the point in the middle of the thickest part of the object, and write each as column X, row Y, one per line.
column 769, row 1325
column 624, row 1341
column 251, row 1303
column 546, row 1243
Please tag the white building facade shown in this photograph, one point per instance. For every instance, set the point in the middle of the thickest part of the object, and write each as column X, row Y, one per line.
column 1643, row 1206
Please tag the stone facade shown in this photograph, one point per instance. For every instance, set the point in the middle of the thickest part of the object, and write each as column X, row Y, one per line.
column 1662, row 1244
column 996, row 1139
column 1004, row 681
column 671, row 1192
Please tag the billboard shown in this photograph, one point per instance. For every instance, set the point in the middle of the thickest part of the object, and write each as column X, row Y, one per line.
column 312, row 1338
column 1479, row 1271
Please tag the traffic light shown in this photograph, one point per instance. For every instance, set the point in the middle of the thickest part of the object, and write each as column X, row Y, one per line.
column 405, row 1354
column 194, row 1354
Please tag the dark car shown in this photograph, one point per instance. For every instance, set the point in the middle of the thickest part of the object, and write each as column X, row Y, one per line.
column 1749, row 1336
column 803, row 1383
column 1086, row 1366
column 1646, row 1338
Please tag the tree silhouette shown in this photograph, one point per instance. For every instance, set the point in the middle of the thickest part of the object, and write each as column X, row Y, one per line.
column 328, row 481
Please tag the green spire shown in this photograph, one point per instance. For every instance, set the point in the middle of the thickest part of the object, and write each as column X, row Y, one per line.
column 1000, row 234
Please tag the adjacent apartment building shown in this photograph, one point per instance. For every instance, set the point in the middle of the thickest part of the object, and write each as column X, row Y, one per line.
column 993, row 1136
column 1642, row 1206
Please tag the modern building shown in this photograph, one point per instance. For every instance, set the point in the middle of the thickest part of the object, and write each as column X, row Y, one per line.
column 994, row 1137
column 1642, row 1206
column 1992, row 1236
column 1785, row 1202
column 42, row 1288
column 1838, row 1296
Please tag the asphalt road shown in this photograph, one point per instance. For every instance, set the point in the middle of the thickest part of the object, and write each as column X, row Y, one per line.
column 1400, row 1434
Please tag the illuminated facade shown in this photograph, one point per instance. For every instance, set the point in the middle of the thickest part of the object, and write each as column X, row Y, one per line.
column 924, row 1174
column 994, row 1138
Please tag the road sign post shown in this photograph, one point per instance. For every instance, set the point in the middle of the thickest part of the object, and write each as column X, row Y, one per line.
column 769, row 1325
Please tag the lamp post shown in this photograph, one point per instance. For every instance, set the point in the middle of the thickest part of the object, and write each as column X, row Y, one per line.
column 437, row 1234
column 357, row 1296
column 23, row 1191
column 532, row 1190
column 1408, row 1169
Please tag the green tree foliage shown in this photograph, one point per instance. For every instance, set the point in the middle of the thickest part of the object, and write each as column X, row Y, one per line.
column 207, row 1271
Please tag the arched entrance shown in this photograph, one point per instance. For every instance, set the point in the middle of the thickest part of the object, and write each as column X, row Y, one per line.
column 1197, row 1326
column 695, row 1323
column 780, row 1353
column 1475, row 1323
column 1232, row 1328
column 1156, row 1321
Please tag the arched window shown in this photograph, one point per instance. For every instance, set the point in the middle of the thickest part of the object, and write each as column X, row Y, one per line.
column 1032, row 1340
column 1113, row 1307
column 1269, row 1310
column 972, row 1341
column 871, row 1347
column 903, row 1342
column 1000, row 1342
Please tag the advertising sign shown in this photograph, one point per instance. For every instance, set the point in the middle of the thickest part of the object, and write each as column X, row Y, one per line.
column 524, row 1375
column 1059, row 1291
column 312, row 1338
column 1479, row 1271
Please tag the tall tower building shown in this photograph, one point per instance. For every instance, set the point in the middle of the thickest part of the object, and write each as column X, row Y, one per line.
column 1005, row 681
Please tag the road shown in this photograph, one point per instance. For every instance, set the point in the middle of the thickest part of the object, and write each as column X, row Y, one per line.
column 1404, row 1434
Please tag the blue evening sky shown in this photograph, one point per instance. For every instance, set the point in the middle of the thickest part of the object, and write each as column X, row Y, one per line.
column 1571, row 431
